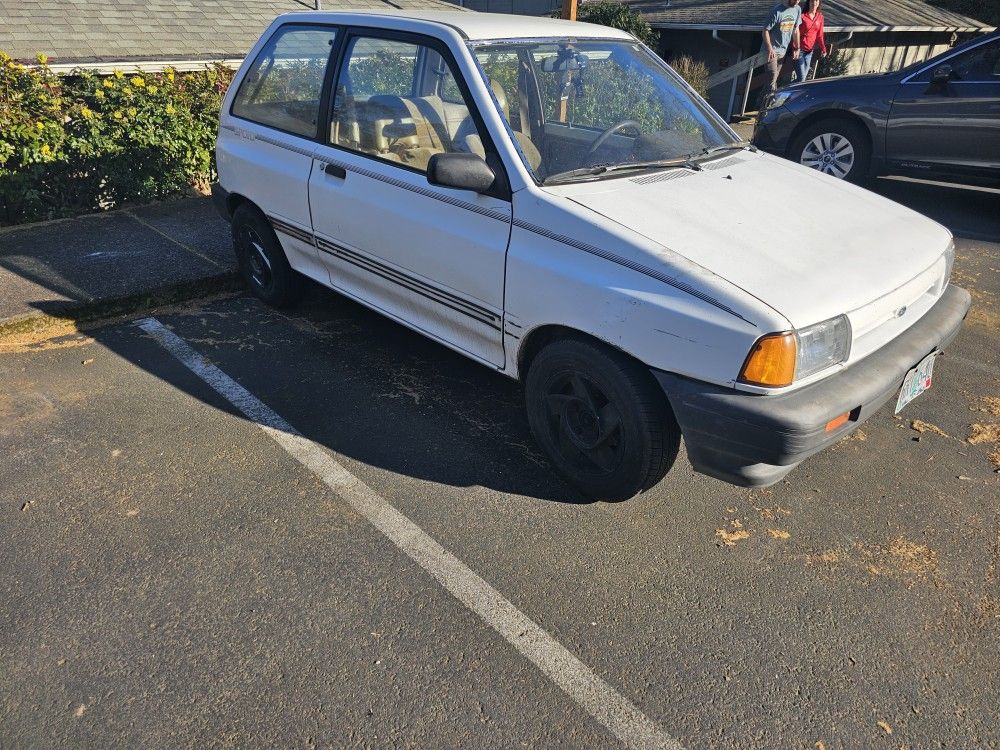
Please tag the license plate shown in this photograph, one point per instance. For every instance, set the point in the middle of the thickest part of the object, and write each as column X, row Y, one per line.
column 916, row 381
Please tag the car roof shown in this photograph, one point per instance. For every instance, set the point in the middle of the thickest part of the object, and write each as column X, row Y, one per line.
column 473, row 26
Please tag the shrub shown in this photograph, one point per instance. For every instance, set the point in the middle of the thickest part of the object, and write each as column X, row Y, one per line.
column 85, row 142
column 834, row 64
column 619, row 16
column 693, row 71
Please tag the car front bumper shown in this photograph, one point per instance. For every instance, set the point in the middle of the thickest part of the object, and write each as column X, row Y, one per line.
column 773, row 130
column 753, row 440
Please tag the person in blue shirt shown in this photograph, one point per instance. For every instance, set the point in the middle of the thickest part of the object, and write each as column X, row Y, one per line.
column 781, row 33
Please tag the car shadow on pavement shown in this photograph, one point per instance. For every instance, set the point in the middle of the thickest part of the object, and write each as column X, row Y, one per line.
column 361, row 385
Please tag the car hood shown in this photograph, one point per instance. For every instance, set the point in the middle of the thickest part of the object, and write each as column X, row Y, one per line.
column 809, row 246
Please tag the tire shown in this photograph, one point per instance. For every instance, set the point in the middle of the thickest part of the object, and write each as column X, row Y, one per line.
column 261, row 260
column 601, row 419
column 835, row 147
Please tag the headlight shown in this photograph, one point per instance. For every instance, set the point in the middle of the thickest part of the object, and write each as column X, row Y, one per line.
column 782, row 97
column 823, row 345
column 780, row 359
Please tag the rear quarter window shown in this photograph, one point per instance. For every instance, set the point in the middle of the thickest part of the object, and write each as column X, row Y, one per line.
column 283, row 86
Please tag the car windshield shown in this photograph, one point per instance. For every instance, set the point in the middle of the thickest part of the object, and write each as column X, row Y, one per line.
column 581, row 109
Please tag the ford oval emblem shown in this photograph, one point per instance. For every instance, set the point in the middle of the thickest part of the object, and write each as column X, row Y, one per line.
column 900, row 312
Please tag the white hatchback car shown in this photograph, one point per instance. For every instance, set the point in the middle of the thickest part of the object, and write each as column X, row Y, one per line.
column 550, row 199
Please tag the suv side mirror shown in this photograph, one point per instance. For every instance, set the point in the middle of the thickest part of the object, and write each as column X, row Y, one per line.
column 462, row 171
column 941, row 76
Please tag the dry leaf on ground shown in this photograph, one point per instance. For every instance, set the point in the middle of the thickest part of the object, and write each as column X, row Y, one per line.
column 921, row 426
column 983, row 433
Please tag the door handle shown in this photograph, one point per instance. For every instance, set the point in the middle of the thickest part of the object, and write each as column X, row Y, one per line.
column 335, row 170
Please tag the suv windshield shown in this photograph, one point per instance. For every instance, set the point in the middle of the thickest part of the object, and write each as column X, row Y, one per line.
column 582, row 108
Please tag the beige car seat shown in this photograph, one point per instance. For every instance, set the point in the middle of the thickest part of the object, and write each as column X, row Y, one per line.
column 475, row 145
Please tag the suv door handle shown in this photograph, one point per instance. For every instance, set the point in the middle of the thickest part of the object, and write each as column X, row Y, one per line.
column 335, row 170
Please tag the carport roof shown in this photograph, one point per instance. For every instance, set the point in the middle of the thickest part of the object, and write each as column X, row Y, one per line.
column 91, row 32
column 841, row 15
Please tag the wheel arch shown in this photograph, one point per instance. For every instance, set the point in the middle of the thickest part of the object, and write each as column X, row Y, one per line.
column 235, row 200
column 843, row 115
column 539, row 337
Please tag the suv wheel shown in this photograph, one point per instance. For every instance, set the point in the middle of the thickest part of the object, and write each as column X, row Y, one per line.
column 835, row 147
column 261, row 260
column 600, row 417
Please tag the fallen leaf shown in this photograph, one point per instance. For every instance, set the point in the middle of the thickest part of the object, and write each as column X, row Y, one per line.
column 730, row 538
column 991, row 404
column 983, row 433
column 920, row 426
column 885, row 727
column 80, row 710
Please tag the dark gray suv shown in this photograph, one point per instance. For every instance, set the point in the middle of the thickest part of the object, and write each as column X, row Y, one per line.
column 937, row 119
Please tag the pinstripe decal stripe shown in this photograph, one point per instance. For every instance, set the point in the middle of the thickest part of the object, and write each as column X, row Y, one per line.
column 391, row 274
column 452, row 301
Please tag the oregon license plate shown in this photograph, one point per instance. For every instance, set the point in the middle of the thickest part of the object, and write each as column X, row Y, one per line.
column 916, row 381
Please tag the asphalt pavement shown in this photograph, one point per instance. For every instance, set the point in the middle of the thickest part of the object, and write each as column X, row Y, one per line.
column 176, row 575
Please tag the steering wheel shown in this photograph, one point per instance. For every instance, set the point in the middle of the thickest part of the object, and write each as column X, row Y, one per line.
column 603, row 137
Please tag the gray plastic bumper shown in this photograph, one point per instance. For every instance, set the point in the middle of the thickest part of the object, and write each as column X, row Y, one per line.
column 753, row 440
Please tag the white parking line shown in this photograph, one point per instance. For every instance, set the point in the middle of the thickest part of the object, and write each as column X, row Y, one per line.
column 574, row 677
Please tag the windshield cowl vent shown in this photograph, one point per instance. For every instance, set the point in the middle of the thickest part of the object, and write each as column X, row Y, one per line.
column 670, row 174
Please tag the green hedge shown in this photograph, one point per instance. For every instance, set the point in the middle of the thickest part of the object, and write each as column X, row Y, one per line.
column 78, row 143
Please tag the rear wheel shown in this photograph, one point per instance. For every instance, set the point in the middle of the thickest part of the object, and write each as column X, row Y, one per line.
column 834, row 147
column 601, row 418
column 262, row 261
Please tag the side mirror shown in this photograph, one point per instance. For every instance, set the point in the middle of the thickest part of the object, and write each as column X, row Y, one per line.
column 941, row 76
column 461, row 171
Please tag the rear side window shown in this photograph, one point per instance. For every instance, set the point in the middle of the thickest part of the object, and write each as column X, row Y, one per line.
column 283, row 85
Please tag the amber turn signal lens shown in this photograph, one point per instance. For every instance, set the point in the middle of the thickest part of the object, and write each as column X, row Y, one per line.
column 771, row 361
column 834, row 423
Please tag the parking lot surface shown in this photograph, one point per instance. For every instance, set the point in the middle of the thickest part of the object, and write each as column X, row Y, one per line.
column 175, row 575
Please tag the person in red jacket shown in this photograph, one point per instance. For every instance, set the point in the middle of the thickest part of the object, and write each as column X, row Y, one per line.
column 810, row 38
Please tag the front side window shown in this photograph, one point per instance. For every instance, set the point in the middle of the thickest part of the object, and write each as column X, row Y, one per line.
column 980, row 65
column 399, row 101
column 583, row 105
column 283, row 85
column 977, row 65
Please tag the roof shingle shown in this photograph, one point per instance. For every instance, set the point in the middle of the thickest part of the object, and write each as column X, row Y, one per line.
column 83, row 31
column 845, row 15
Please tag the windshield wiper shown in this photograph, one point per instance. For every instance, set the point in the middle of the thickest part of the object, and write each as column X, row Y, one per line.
column 684, row 162
column 726, row 147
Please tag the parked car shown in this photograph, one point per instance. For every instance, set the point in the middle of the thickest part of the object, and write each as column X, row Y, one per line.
column 937, row 119
column 549, row 199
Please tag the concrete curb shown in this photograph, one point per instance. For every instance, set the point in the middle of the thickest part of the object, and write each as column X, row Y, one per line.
column 93, row 313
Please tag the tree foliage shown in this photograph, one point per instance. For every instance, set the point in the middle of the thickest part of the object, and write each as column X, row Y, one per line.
column 619, row 16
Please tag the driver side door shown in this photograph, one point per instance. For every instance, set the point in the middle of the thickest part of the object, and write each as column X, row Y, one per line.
column 428, row 256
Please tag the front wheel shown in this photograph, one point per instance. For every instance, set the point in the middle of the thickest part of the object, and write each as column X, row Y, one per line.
column 601, row 418
column 834, row 147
